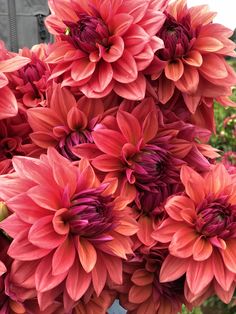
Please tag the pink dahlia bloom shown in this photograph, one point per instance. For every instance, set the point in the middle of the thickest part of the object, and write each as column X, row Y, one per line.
column 15, row 140
column 9, row 62
column 105, row 45
column 201, row 233
column 193, row 47
column 29, row 83
column 142, row 291
column 141, row 151
column 66, row 122
column 69, row 232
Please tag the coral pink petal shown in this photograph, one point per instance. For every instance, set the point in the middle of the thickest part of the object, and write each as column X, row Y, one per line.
column 145, row 230
column 120, row 23
column 176, row 204
column 192, row 102
column 166, row 230
column 173, row 268
column 194, row 184
column 174, row 70
column 229, row 255
column 202, row 249
column 141, row 277
column 199, row 275
column 138, row 294
column 129, row 126
column 2, row 268
column 3, row 80
column 208, row 44
column 223, row 276
column 87, row 254
column 125, row 69
column 102, row 77
column 12, row 225
column 23, row 250
column 183, row 242
column 8, row 103
column 63, row 257
column 99, row 276
column 193, row 58
column 44, row 280
column 107, row 163
column 13, row 64
column 77, row 281
column 46, row 197
column 82, row 69
column 116, row 50
column 166, row 89
column 188, row 83
column 132, row 91
column 209, row 69
column 43, row 235
column 114, row 268
column 217, row 180
column 224, row 295
column 109, row 141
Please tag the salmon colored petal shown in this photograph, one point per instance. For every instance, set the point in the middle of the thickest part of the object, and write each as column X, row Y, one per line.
column 13, row 64
column 63, row 257
column 132, row 91
column 173, row 268
column 193, row 58
column 174, row 70
column 115, row 51
column 82, row 69
column 127, row 226
column 114, row 268
column 223, row 276
column 176, row 204
column 145, row 230
column 87, row 254
column 138, row 294
column 99, row 276
column 142, row 278
column 199, row 275
column 129, row 126
column 44, row 280
column 89, row 151
column 109, row 141
column 77, row 281
column 192, row 102
column 208, row 44
column 188, row 83
column 194, row 184
column 12, row 225
column 209, row 69
column 166, row 89
column 8, row 103
column 202, row 249
column 150, row 126
column 182, row 242
column 46, row 197
column 217, row 179
column 120, row 23
column 43, row 235
column 102, row 77
column 224, row 295
column 166, row 230
column 229, row 255
column 125, row 68
column 147, row 307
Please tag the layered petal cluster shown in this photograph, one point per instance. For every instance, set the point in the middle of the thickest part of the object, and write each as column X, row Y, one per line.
column 9, row 62
column 200, row 232
column 194, row 45
column 29, row 83
column 15, row 140
column 143, row 292
column 69, row 232
column 143, row 152
column 105, row 45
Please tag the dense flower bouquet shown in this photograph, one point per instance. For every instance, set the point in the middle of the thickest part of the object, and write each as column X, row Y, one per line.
column 108, row 188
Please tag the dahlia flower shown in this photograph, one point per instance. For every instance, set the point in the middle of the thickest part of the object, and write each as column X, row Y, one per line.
column 142, row 291
column 29, row 83
column 9, row 62
column 193, row 47
column 68, row 122
column 15, row 140
column 200, row 233
column 69, row 232
column 143, row 153
column 104, row 45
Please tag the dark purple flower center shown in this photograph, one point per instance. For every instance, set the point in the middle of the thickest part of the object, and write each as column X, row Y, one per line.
column 216, row 217
column 154, row 168
column 91, row 214
column 177, row 38
column 87, row 33
column 66, row 144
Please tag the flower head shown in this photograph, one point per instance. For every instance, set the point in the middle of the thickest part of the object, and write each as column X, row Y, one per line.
column 103, row 46
column 80, row 234
column 201, row 233
column 192, row 47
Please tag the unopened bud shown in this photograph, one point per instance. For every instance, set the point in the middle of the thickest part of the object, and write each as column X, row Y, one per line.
column 3, row 211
